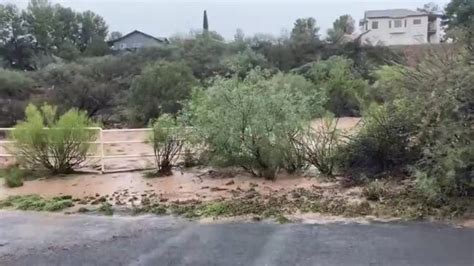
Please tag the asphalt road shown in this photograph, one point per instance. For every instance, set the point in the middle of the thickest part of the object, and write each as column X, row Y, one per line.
column 54, row 239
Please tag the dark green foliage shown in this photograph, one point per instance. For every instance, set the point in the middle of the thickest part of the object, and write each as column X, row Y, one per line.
column 205, row 23
column 15, row 90
column 460, row 21
column 106, row 209
column 305, row 40
column 385, row 143
column 341, row 26
column 43, row 30
column 160, row 88
column 346, row 91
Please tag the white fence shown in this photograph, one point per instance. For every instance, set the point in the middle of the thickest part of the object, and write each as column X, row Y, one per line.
column 101, row 142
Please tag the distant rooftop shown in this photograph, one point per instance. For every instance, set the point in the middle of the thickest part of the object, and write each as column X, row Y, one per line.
column 392, row 13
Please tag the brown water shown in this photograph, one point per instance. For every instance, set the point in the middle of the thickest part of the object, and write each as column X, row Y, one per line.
column 180, row 186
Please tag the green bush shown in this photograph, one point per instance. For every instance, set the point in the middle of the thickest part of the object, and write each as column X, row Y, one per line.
column 346, row 92
column 58, row 144
column 15, row 90
column 387, row 142
column 374, row 190
column 248, row 122
column 168, row 140
column 443, row 94
column 159, row 89
column 14, row 176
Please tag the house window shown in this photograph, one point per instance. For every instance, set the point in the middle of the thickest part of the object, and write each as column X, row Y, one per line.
column 417, row 21
column 397, row 23
column 123, row 45
column 405, row 23
column 375, row 24
column 390, row 24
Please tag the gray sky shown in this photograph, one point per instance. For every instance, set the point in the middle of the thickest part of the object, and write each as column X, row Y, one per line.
column 166, row 17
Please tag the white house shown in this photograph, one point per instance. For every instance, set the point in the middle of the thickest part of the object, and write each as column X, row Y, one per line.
column 400, row 27
column 136, row 40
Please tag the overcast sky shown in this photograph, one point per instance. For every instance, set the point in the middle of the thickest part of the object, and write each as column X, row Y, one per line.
column 164, row 18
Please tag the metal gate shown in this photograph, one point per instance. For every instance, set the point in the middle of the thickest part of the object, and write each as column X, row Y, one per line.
column 114, row 150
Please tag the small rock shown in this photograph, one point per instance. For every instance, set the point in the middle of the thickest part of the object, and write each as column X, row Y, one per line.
column 231, row 182
column 213, row 189
column 256, row 218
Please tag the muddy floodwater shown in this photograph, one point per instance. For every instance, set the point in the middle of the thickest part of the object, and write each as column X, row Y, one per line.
column 196, row 184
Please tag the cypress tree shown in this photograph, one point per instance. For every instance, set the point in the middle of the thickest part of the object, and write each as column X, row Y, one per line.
column 205, row 24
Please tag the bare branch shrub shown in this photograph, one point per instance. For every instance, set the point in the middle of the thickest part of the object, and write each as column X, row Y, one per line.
column 168, row 141
column 319, row 144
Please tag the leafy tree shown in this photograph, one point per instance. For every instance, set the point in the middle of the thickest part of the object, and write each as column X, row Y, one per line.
column 160, row 88
column 97, row 47
column 341, row 26
column 203, row 53
column 305, row 40
column 346, row 91
column 66, row 28
column 242, row 62
column 460, row 16
column 16, row 47
column 429, row 8
column 115, row 35
column 40, row 21
column 93, row 28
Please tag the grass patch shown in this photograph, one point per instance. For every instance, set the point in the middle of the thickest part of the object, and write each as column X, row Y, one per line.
column 281, row 219
column 374, row 191
column 36, row 203
column 106, row 208
column 14, row 176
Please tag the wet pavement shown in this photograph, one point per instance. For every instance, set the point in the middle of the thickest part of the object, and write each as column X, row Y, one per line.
column 54, row 239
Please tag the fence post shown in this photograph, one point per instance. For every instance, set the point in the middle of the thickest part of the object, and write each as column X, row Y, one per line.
column 102, row 164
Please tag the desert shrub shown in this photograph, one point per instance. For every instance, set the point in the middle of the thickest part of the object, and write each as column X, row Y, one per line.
column 319, row 144
column 168, row 140
column 386, row 142
column 248, row 122
column 106, row 208
column 388, row 84
column 242, row 62
column 15, row 89
column 374, row 190
column 84, row 85
column 58, row 144
column 14, row 176
column 443, row 94
column 159, row 89
column 301, row 91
